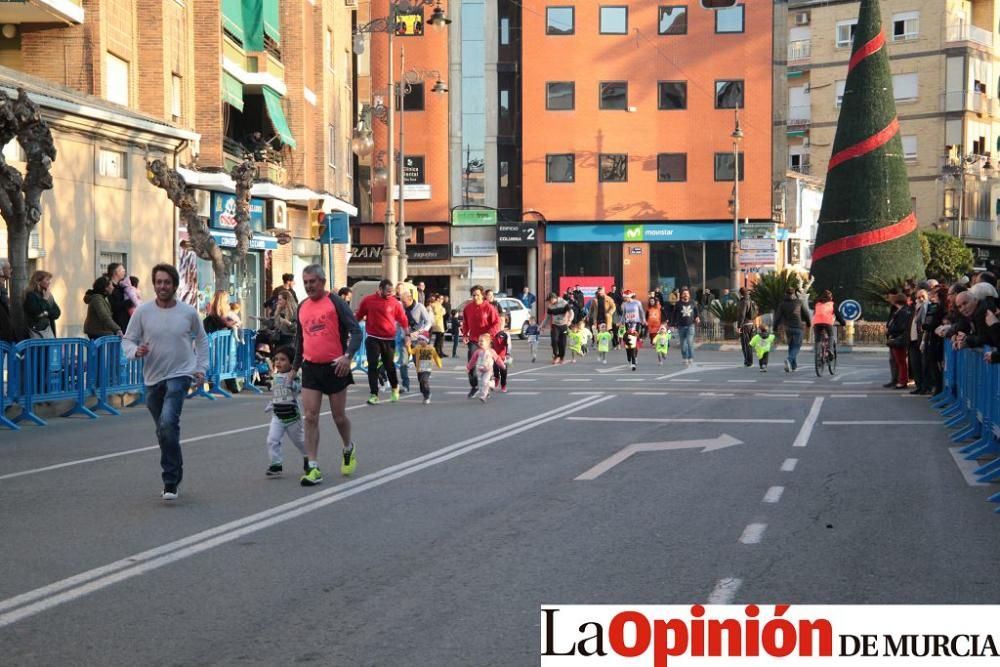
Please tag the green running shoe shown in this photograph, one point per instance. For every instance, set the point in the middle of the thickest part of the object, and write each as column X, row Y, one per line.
column 395, row 395
column 312, row 477
column 373, row 399
column 350, row 463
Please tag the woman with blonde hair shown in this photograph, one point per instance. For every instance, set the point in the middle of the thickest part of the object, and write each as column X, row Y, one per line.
column 40, row 308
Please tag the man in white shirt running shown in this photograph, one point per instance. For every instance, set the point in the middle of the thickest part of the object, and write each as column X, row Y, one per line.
column 161, row 332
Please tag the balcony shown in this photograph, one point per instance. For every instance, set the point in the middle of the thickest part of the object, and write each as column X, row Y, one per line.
column 964, row 32
column 266, row 160
column 799, row 50
column 965, row 100
column 799, row 116
column 979, row 230
column 800, row 166
column 41, row 11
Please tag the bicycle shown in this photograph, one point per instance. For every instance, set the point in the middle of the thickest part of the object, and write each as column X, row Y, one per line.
column 825, row 354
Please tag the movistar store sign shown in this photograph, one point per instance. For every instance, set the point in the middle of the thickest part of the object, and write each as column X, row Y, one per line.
column 638, row 233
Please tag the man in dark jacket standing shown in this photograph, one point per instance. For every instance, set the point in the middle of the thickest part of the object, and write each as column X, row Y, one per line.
column 746, row 313
column 793, row 314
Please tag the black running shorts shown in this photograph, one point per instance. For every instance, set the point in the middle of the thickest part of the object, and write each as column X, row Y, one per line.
column 324, row 379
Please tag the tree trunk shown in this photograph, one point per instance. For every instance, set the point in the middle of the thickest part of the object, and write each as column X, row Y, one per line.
column 17, row 250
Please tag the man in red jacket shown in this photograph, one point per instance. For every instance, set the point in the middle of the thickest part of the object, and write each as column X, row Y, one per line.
column 478, row 317
column 382, row 313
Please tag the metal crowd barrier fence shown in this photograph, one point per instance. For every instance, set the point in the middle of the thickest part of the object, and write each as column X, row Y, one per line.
column 8, row 383
column 229, row 359
column 114, row 374
column 53, row 369
column 971, row 403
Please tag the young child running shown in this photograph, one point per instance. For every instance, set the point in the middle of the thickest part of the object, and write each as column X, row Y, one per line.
column 286, row 415
column 662, row 343
column 574, row 341
column 630, row 341
column 424, row 359
column 532, row 332
column 761, row 344
column 501, row 345
column 482, row 361
column 603, row 339
column 587, row 336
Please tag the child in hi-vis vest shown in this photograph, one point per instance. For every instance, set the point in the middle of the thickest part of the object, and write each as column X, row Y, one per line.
column 662, row 343
column 603, row 339
column 425, row 357
column 761, row 344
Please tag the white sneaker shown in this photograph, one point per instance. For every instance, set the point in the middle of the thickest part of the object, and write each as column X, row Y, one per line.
column 427, row 401
column 170, row 493
column 788, row 366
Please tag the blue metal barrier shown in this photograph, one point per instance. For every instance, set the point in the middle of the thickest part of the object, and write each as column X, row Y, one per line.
column 52, row 369
column 228, row 360
column 111, row 373
column 9, row 385
column 247, row 361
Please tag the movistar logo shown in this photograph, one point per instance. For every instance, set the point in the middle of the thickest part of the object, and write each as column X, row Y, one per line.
column 633, row 232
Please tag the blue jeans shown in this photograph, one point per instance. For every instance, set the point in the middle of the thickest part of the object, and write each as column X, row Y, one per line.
column 794, row 345
column 165, row 400
column 687, row 341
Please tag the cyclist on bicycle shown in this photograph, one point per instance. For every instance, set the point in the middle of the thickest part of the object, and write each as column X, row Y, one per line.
column 824, row 315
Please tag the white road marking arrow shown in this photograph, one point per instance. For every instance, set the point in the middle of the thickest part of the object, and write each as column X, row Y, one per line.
column 721, row 442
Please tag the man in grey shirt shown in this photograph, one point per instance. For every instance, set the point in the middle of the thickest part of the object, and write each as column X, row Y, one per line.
column 161, row 333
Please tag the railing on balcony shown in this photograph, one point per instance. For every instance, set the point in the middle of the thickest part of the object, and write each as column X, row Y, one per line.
column 802, row 166
column 967, row 100
column 964, row 32
column 267, row 160
column 799, row 115
column 980, row 230
column 799, row 50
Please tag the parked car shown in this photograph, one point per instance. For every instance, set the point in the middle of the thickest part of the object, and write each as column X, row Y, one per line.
column 516, row 315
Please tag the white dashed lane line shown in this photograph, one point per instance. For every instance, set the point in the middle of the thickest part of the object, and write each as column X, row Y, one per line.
column 725, row 590
column 773, row 494
column 753, row 533
column 789, row 465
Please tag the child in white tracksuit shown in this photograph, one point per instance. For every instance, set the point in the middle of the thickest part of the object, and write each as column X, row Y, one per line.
column 286, row 414
column 483, row 361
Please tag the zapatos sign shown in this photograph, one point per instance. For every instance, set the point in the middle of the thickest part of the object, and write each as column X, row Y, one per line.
column 768, row 635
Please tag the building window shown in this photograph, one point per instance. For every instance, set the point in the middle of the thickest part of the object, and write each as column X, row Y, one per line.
column 116, row 84
column 413, row 98
column 673, row 20
column 672, row 95
column 559, row 168
column 717, row 4
column 614, row 95
column 614, row 20
column 559, row 21
column 910, row 147
column 111, row 164
column 560, row 95
column 504, row 31
column 905, row 87
column 613, row 167
column 332, row 146
column 176, row 97
column 724, row 167
column 905, row 25
column 729, row 94
column 671, row 167
column 729, row 19
column 838, row 88
column 845, row 33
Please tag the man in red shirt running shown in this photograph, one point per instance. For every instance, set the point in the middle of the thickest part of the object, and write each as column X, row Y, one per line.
column 383, row 314
column 478, row 317
column 327, row 338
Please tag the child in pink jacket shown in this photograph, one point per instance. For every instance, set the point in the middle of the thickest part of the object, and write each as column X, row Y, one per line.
column 482, row 361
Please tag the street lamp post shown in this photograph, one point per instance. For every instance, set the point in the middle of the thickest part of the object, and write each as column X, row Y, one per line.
column 438, row 19
column 734, row 263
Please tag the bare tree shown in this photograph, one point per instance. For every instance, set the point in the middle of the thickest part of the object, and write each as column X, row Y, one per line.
column 202, row 242
column 20, row 197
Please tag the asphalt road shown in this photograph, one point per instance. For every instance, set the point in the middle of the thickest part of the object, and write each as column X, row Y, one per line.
column 464, row 518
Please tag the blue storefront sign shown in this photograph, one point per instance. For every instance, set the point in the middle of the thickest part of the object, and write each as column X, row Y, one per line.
column 638, row 232
column 224, row 212
column 258, row 242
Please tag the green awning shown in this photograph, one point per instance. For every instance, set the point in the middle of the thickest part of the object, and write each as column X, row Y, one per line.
column 253, row 24
column 273, row 102
column 272, row 20
column 232, row 91
column 232, row 18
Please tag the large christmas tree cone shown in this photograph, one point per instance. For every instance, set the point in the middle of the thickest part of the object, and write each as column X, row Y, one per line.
column 867, row 228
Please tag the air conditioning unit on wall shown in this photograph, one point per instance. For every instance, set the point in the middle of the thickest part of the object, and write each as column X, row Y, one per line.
column 802, row 18
column 276, row 216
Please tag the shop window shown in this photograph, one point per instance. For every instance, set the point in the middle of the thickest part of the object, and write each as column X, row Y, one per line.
column 673, row 20
column 672, row 95
column 560, row 168
column 559, row 21
column 729, row 94
column 729, row 19
column 614, row 21
column 613, row 167
column 614, row 95
column 724, row 167
column 560, row 95
column 671, row 167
